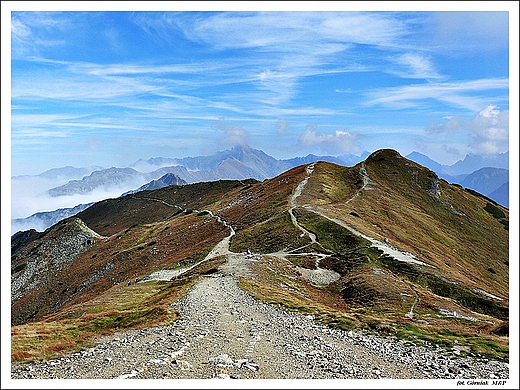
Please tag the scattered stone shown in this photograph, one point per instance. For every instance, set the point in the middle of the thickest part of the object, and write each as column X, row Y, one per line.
column 222, row 359
column 215, row 312
column 184, row 365
column 252, row 366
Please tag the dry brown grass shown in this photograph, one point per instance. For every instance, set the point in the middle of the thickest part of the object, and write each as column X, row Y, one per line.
column 122, row 307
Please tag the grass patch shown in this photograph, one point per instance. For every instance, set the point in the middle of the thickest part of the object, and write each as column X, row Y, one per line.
column 444, row 288
column 295, row 303
column 330, row 235
column 304, row 261
column 275, row 234
column 486, row 346
column 204, row 268
column 494, row 211
column 346, row 262
column 121, row 308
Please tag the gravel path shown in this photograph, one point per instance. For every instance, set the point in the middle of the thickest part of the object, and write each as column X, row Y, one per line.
column 224, row 333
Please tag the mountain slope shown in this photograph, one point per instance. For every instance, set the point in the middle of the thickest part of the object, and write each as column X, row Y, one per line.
column 474, row 162
column 164, row 181
column 105, row 179
column 486, row 180
column 440, row 223
column 384, row 245
column 501, row 195
column 68, row 173
column 472, row 172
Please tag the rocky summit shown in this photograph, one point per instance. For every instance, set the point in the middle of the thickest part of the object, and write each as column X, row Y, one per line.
column 379, row 270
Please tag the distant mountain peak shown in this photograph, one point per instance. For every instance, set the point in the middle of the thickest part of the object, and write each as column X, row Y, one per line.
column 385, row 154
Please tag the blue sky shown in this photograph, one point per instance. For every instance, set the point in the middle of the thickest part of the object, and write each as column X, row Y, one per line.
column 107, row 88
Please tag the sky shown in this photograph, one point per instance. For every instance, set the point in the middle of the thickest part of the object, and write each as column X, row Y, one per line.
column 93, row 86
column 107, row 83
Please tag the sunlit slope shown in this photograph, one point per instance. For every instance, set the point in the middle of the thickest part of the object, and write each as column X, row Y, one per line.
column 463, row 235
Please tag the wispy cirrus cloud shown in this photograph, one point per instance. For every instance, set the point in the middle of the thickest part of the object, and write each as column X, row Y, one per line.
column 461, row 94
column 32, row 33
column 281, row 49
column 279, row 31
column 135, row 78
column 415, row 66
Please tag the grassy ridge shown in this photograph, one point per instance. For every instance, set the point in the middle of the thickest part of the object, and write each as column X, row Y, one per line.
column 460, row 234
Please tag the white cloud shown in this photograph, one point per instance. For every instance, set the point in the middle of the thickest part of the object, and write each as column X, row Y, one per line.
column 415, row 66
column 451, row 150
column 453, row 124
column 281, row 30
column 33, row 31
column 340, row 142
column 282, row 48
column 281, row 126
column 232, row 134
column 489, row 131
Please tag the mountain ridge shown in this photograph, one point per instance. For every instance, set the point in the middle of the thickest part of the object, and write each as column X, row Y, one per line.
column 240, row 162
column 398, row 244
column 254, row 164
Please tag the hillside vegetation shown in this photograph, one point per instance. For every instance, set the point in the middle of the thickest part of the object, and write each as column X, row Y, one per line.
column 356, row 228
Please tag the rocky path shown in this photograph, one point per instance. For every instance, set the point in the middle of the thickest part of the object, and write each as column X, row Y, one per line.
column 293, row 202
column 224, row 333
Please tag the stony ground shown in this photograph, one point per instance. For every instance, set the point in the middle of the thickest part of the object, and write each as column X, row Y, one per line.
column 224, row 333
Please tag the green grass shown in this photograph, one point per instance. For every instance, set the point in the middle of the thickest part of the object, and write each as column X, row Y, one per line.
column 304, row 261
column 484, row 345
column 275, row 234
column 494, row 211
column 287, row 300
column 445, row 288
column 330, row 235
column 346, row 262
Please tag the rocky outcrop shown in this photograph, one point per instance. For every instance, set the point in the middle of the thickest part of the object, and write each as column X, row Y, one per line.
column 34, row 264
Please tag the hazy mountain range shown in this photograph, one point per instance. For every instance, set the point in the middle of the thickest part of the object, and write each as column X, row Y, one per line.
column 488, row 176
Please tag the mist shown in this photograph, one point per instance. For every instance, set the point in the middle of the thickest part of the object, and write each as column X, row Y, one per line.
column 29, row 196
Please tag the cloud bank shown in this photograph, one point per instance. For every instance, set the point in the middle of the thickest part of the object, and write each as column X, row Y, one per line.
column 487, row 131
column 338, row 143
